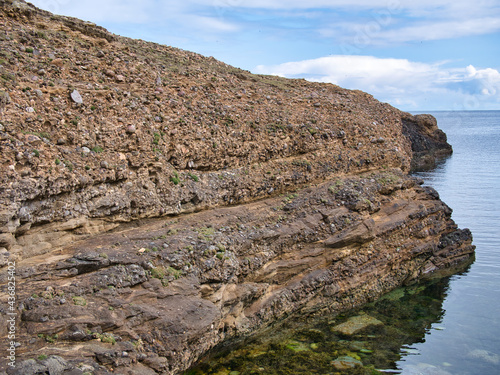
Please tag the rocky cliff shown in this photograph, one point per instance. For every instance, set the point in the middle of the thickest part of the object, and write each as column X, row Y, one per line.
column 158, row 203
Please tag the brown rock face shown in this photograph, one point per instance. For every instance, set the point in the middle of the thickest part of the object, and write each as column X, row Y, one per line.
column 177, row 203
column 428, row 142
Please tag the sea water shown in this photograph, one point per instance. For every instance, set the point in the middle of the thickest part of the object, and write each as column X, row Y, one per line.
column 467, row 338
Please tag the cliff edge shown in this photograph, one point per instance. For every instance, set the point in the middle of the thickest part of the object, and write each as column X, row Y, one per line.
column 157, row 202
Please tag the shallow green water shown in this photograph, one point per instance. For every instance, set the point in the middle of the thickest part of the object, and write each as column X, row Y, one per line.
column 361, row 341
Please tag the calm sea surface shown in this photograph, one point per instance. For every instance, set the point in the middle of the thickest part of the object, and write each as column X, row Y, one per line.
column 467, row 339
column 444, row 327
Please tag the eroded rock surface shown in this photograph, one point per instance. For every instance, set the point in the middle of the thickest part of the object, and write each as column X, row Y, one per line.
column 429, row 143
column 158, row 203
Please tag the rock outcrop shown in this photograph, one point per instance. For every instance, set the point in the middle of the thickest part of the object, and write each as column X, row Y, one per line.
column 158, row 203
column 428, row 142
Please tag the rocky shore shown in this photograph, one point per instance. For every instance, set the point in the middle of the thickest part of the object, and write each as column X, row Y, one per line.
column 158, row 203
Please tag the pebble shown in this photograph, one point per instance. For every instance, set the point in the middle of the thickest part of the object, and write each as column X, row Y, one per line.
column 4, row 97
column 77, row 98
column 131, row 129
column 57, row 62
column 30, row 138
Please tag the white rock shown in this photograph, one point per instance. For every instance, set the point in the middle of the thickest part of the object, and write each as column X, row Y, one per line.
column 77, row 98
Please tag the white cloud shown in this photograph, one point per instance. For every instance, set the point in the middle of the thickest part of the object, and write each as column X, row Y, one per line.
column 421, row 8
column 355, row 70
column 99, row 11
column 383, row 27
column 331, row 4
column 176, row 14
column 397, row 81
column 176, row 23
column 212, row 24
column 372, row 21
column 437, row 30
column 482, row 81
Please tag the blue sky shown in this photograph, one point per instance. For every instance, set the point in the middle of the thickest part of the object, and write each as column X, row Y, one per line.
column 416, row 55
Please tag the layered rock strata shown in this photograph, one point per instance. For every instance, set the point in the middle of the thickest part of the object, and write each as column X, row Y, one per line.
column 158, row 203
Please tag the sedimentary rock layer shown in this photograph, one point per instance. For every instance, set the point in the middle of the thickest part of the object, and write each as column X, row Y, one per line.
column 168, row 290
column 158, row 203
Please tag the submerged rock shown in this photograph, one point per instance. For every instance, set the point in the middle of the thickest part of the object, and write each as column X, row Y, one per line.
column 297, row 346
column 356, row 324
column 345, row 363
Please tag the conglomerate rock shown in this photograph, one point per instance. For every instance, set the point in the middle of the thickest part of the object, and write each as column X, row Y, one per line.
column 157, row 203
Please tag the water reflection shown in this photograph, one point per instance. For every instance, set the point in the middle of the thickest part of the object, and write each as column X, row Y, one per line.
column 370, row 340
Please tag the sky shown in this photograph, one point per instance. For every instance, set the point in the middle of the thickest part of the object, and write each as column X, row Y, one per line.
column 414, row 54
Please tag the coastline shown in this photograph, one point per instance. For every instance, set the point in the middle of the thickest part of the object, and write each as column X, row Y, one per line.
column 158, row 203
